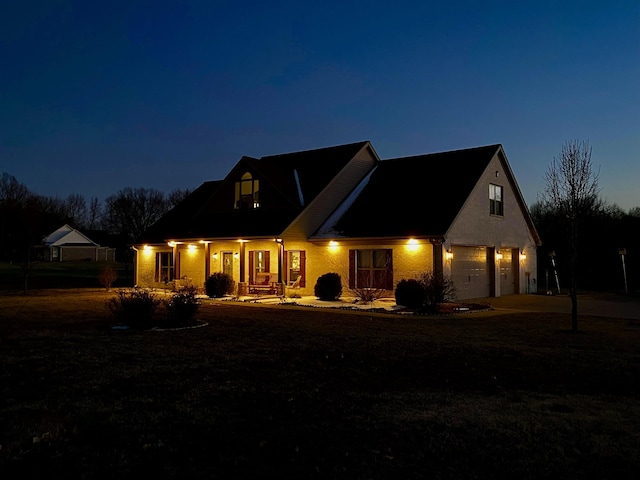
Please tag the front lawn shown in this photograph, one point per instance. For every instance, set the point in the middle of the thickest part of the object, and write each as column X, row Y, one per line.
column 299, row 392
column 62, row 275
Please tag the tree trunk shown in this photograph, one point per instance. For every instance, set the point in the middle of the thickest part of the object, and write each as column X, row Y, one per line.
column 573, row 290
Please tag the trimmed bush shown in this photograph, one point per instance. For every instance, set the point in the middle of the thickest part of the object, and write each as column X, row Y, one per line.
column 219, row 284
column 134, row 308
column 182, row 308
column 328, row 287
column 107, row 276
column 410, row 293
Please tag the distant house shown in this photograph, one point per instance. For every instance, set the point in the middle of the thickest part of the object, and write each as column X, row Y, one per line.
column 341, row 209
column 67, row 244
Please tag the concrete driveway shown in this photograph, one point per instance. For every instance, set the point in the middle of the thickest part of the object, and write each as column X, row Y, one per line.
column 598, row 304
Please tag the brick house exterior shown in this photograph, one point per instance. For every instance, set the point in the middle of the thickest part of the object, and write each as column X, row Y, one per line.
column 342, row 209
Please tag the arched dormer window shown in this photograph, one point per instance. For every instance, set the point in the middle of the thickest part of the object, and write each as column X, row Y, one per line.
column 247, row 192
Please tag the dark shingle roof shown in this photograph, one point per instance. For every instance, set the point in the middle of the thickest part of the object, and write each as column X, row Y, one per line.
column 176, row 222
column 208, row 212
column 413, row 196
column 314, row 169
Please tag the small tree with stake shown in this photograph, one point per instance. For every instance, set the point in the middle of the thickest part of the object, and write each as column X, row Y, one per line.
column 572, row 192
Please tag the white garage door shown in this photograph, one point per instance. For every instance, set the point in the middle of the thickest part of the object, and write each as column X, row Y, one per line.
column 469, row 272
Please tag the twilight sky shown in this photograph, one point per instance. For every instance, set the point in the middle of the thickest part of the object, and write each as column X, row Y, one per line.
column 98, row 96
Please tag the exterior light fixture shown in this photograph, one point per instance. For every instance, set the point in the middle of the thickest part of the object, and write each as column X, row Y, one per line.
column 498, row 255
column 192, row 247
column 215, row 255
column 523, row 256
column 171, row 244
column 413, row 245
column 448, row 255
column 236, row 254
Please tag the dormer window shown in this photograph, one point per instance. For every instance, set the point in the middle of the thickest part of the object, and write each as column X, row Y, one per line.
column 247, row 192
column 496, row 205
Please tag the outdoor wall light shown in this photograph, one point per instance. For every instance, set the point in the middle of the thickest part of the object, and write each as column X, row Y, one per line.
column 498, row 255
column 236, row 254
column 171, row 244
column 215, row 255
column 448, row 255
column 523, row 256
column 146, row 248
column 191, row 247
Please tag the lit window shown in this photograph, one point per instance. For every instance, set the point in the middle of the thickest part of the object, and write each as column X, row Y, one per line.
column 295, row 267
column 247, row 192
column 496, row 204
column 164, row 267
column 371, row 269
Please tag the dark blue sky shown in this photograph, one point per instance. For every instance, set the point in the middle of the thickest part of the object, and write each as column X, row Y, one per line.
column 98, row 96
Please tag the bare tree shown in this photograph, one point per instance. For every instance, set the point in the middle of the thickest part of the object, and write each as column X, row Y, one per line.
column 75, row 208
column 133, row 210
column 94, row 213
column 176, row 196
column 572, row 191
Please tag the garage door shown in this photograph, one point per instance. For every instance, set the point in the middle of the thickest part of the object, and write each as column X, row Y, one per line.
column 469, row 272
column 507, row 280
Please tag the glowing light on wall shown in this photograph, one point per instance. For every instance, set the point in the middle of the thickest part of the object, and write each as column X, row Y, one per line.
column 171, row 244
column 412, row 245
column 146, row 249
column 523, row 256
column 191, row 248
column 498, row 255
column 448, row 255
column 333, row 245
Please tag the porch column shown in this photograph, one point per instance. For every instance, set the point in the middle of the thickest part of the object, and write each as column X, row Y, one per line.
column 242, row 262
column 242, row 284
column 280, row 260
column 176, row 262
column 438, row 267
column 207, row 260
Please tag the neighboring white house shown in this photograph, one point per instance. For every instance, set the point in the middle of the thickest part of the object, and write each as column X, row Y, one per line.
column 67, row 244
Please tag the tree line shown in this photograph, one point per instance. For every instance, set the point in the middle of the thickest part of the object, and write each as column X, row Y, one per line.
column 587, row 243
column 26, row 217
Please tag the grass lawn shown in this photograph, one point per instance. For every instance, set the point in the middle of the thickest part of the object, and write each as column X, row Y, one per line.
column 62, row 275
column 295, row 392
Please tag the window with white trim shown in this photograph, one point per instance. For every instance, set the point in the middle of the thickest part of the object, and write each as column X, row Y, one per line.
column 496, row 203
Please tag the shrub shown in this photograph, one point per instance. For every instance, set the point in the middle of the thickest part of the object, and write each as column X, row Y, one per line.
column 437, row 289
column 183, row 306
column 134, row 308
column 410, row 293
column 219, row 284
column 328, row 287
column 107, row 276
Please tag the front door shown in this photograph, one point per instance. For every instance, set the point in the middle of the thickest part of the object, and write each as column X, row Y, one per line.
column 227, row 263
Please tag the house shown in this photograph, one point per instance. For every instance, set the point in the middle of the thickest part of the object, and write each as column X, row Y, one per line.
column 342, row 209
column 67, row 244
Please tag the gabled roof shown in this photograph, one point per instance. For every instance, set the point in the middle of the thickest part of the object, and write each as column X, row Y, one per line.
column 67, row 235
column 411, row 196
column 303, row 175
column 293, row 179
column 177, row 220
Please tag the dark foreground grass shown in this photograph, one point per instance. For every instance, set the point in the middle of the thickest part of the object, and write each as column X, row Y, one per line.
column 294, row 392
column 45, row 275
